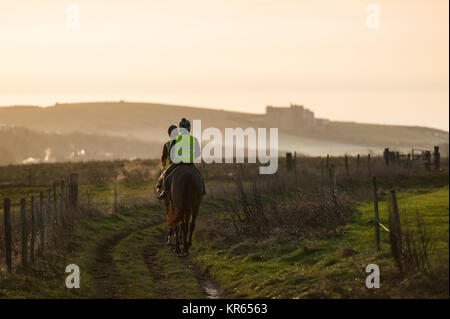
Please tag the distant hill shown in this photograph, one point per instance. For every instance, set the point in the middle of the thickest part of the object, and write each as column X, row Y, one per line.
column 26, row 146
column 148, row 122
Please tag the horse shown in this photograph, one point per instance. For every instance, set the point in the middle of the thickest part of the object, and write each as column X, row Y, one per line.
column 182, row 204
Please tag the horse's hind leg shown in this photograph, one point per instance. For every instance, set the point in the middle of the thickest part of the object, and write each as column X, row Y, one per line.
column 170, row 237
column 194, row 212
column 177, row 239
column 191, row 231
column 185, row 235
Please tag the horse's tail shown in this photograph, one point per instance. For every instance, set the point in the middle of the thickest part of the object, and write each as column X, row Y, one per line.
column 178, row 215
column 181, row 210
column 175, row 218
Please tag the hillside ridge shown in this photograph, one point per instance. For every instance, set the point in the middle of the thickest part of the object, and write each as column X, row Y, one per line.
column 148, row 122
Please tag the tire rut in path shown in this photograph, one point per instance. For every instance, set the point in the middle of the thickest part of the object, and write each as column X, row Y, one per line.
column 105, row 271
column 108, row 284
column 162, row 286
column 204, row 280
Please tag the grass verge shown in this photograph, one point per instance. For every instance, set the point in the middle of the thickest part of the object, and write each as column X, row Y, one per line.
column 286, row 267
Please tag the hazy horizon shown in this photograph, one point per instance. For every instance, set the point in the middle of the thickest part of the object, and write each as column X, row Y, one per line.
column 320, row 112
column 234, row 55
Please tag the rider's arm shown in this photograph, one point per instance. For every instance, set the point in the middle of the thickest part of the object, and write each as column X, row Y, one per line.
column 164, row 157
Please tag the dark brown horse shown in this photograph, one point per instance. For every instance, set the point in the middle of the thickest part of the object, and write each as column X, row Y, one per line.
column 186, row 193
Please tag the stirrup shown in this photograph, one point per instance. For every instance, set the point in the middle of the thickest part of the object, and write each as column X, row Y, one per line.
column 162, row 195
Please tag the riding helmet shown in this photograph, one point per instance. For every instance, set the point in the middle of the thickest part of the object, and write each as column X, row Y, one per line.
column 185, row 124
column 171, row 128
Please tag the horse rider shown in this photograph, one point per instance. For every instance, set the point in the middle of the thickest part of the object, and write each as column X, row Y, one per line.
column 165, row 155
column 185, row 150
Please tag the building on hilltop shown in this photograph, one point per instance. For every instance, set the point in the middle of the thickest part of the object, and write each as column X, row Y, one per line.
column 293, row 117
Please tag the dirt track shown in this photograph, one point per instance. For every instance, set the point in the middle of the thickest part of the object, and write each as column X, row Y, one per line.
column 110, row 284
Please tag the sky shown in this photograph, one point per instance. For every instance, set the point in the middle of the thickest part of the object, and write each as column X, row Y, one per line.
column 237, row 55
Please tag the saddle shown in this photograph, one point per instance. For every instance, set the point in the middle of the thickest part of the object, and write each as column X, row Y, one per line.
column 168, row 178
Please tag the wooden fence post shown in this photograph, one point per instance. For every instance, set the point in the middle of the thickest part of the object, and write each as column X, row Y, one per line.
column 115, row 199
column 396, row 232
column 321, row 167
column 328, row 163
column 73, row 191
column 376, row 218
column 295, row 166
column 61, row 200
column 333, row 180
column 408, row 162
column 54, row 205
column 88, row 200
column 33, row 229
column 41, row 221
column 7, row 221
column 289, row 161
column 369, row 167
column 428, row 160
column 49, row 207
column 55, row 197
column 23, row 224
column 358, row 158
column 347, row 170
column 66, row 193
column 386, row 156
column 437, row 158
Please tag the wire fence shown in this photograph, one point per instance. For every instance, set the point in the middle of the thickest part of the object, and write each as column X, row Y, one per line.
column 31, row 226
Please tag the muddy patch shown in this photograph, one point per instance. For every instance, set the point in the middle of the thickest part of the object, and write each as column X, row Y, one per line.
column 204, row 280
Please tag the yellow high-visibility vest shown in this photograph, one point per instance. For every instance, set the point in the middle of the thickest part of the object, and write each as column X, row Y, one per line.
column 184, row 149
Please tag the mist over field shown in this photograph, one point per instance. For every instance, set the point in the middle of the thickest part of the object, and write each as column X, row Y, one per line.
column 125, row 130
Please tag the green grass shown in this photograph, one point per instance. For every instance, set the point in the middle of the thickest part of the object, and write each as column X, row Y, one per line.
column 138, row 230
column 272, row 267
column 166, row 278
column 101, row 193
column 46, row 279
column 281, row 267
column 97, row 231
column 179, row 277
column 433, row 207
